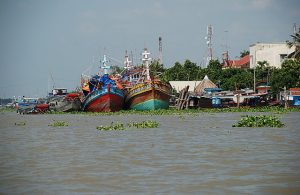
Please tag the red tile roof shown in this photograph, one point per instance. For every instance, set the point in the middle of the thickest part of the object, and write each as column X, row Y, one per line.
column 243, row 62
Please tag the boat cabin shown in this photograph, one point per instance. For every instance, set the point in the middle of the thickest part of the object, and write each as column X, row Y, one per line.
column 58, row 91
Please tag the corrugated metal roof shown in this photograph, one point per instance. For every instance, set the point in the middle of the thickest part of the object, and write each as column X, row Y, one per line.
column 179, row 85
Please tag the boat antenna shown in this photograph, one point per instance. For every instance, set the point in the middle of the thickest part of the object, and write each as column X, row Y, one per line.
column 52, row 81
column 131, row 54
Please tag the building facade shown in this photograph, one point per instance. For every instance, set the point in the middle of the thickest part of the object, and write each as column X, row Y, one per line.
column 273, row 53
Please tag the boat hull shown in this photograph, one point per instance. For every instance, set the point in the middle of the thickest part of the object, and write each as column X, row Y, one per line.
column 104, row 100
column 149, row 96
column 66, row 103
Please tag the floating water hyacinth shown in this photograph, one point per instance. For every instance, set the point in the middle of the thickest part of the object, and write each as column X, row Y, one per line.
column 20, row 123
column 59, row 124
column 144, row 124
column 117, row 126
column 259, row 121
column 120, row 126
column 173, row 111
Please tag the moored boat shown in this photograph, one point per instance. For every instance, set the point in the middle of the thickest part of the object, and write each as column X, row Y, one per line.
column 148, row 93
column 102, row 93
column 62, row 101
column 31, row 106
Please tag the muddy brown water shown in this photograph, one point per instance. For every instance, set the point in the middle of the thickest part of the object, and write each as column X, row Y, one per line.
column 189, row 154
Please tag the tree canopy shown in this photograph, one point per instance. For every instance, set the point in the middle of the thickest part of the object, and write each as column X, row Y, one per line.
column 235, row 78
column 288, row 76
column 296, row 43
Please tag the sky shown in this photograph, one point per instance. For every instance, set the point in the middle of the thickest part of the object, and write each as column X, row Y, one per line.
column 46, row 43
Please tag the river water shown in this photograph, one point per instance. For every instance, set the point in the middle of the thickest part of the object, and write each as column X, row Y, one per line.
column 189, row 154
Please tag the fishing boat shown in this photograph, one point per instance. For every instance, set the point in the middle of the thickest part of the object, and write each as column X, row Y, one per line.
column 62, row 101
column 102, row 93
column 31, row 106
column 148, row 93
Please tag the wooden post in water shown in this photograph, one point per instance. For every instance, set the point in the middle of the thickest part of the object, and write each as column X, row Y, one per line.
column 186, row 94
column 187, row 103
column 183, row 95
column 179, row 99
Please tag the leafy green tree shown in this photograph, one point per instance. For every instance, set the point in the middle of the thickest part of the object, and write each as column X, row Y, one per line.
column 191, row 70
column 214, row 65
column 156, row 68
column 263, row 71
column 175, row 73
column 236, row 78
column 227, row 79
column 244, row 53
column 288, row 76
column 214, row 70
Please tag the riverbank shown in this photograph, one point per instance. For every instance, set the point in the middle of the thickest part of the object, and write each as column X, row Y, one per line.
column 187, row 153
column 174, row 111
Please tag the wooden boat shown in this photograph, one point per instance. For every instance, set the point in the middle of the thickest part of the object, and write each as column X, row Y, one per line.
column 62, row 101
column 102, row 93
column 148, row 93
column 31, row 106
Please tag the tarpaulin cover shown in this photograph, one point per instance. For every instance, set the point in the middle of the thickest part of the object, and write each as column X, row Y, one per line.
column 104, row 80
column 296, row 100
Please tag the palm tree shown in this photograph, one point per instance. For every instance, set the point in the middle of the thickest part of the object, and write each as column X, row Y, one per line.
column 295, row 42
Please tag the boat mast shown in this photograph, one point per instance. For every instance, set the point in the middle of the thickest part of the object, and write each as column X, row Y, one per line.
column 105, row 67
column 127, row 62
column 146, row 60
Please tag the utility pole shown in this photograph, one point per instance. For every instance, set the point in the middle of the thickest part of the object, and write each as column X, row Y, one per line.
column 253, row 62
column 254, row 79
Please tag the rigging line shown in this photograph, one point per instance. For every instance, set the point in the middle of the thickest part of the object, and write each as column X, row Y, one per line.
column 114, row 59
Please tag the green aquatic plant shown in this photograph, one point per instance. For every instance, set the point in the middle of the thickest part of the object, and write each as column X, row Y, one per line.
column 259, row 121
column 174, row 111
column 144, row 124
column 59, row 124
column 117, row 126
column 7, row 109
column 20, row 123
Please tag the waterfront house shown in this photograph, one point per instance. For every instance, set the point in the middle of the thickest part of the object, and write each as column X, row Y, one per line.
column 179, row 85
column 273, row 53
column 243, row 63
